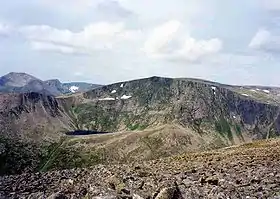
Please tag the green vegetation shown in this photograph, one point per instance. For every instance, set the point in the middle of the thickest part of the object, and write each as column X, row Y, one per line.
column 272, row 133
column 66, row 157
column 137, row 127
column 237, row 129
column 93, row 117
column 223, row 127
column 21, row 156
column 98, row 118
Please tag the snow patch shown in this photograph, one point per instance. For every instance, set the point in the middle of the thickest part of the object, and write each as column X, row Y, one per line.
column 266, row 91
column 245, row 95
column 126, row 97
column 74, row 89
column 213, row 88
column 113, row 91
column 258, row 89
column 122, row 85
column 253, row 90
column 234, row 117
column 107, row 99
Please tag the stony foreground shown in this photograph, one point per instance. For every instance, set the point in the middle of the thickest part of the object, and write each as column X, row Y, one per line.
column 247, row 171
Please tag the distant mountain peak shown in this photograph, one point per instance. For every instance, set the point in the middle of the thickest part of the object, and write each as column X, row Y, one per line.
column 16, row 79
column 15, row 82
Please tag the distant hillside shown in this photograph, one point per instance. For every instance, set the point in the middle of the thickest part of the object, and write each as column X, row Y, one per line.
column 24, row 83
column 147, row 118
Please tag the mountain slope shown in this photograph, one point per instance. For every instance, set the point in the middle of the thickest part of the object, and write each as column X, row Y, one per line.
column 16, row 79
column 245, row 171
column 23, row 83
column 203, row 106
column 181, row 114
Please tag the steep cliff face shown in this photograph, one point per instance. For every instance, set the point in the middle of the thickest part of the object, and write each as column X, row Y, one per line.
column 203, row 106
column 30, row 125
column 31, row 116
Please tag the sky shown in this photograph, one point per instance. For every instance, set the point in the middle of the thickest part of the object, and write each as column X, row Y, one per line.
column 106, row 41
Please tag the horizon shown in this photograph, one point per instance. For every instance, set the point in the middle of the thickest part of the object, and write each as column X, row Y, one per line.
column 140, row 78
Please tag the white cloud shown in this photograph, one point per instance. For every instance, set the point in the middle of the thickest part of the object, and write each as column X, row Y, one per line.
column 193, row 49
column 270, row 4
column 265, row 40
column 261, row 38
column 161, row 36
column 169, row 41
column 97, row 36
column 5, row 29
column 45, row 46
column 70, row 5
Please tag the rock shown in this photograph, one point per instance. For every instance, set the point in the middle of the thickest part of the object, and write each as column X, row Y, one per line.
column 135, row 196
column 141, row 185
column 172, row 192
column 187, row 182
column 71, row 181
column 57, row 196
column 212, row 180
column 125, row 191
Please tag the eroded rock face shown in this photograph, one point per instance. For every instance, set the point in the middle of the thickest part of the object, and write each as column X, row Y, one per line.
column 31, row 116
column 194, row 103
column 249, row 171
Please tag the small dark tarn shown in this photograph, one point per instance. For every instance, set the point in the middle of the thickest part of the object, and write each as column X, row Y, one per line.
column 84, row 132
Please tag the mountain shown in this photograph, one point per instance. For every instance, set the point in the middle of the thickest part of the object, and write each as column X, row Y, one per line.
column 24, row 83
column 127, row 121
column 16, row 79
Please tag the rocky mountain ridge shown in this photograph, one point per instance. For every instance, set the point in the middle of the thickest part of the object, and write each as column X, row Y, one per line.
column 23, row 83
column 148, row 118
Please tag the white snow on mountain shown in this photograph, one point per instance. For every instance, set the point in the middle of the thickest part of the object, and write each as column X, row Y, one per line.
column 126, row 97
column 107, row 99
column 266, row 91
column 74, row 89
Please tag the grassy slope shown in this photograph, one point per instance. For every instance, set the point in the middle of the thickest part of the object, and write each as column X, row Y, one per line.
column 125, row 147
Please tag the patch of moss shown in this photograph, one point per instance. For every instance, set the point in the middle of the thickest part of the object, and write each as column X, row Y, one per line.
column 66, row 157
column 21, row 156
column 94, row 117
column 223, row 127
column 137, row 126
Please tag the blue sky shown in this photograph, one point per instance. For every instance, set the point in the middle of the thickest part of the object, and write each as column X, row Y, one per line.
column 104, row 41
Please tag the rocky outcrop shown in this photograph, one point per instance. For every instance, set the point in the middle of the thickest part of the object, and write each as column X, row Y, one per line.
column 30, row 124
column 204, row 106
column 246, row 171
column 32, row 116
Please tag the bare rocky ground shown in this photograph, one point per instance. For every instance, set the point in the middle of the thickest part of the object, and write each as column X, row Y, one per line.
column 246, row 171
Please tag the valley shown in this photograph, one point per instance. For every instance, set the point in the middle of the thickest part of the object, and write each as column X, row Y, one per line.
column 158, row 123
